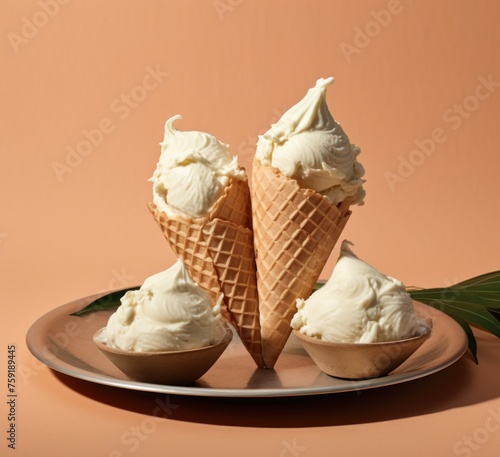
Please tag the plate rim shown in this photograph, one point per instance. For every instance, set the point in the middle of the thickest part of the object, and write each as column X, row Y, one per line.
column 194, row 391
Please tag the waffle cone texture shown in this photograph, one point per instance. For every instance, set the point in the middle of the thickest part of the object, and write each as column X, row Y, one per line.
column 219, row 255
column 295, row 231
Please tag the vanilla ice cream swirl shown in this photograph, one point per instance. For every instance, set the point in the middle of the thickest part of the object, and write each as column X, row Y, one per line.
column 358, row 304
column 169, row 312
column 307, row 144
column 193, row 170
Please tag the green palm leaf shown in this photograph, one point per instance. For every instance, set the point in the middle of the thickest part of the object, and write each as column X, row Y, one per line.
column 472, row 344
column 108, row 301
column 485, row 279
column 468, row 302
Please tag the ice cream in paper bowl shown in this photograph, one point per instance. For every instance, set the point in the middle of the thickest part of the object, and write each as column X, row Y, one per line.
column 361, row 324
column 166, row 332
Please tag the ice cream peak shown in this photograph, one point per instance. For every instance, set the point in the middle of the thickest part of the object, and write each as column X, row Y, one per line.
column 358, row 304
column 307, row 144
column 169, row 312
column 192, row 173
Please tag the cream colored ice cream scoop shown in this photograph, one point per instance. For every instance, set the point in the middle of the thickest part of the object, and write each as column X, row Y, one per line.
column 358, row 304
column 169, row 312
column 307, row 144
column 193, row 170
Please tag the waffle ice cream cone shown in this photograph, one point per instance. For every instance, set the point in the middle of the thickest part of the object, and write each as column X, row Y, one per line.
column 218, row 252
column 295, row 230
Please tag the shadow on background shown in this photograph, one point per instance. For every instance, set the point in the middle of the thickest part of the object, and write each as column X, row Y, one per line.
column 453, row 387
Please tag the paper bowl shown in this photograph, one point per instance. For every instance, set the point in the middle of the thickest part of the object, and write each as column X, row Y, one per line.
column 165, row 367
column 361, row 361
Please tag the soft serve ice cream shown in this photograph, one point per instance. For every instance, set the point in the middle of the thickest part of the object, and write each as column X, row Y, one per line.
column 192, row 173
column 358, row 304
column 308, row 145
column 169, row 312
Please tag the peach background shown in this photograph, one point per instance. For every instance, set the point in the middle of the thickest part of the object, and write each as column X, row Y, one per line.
column 233, row 67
